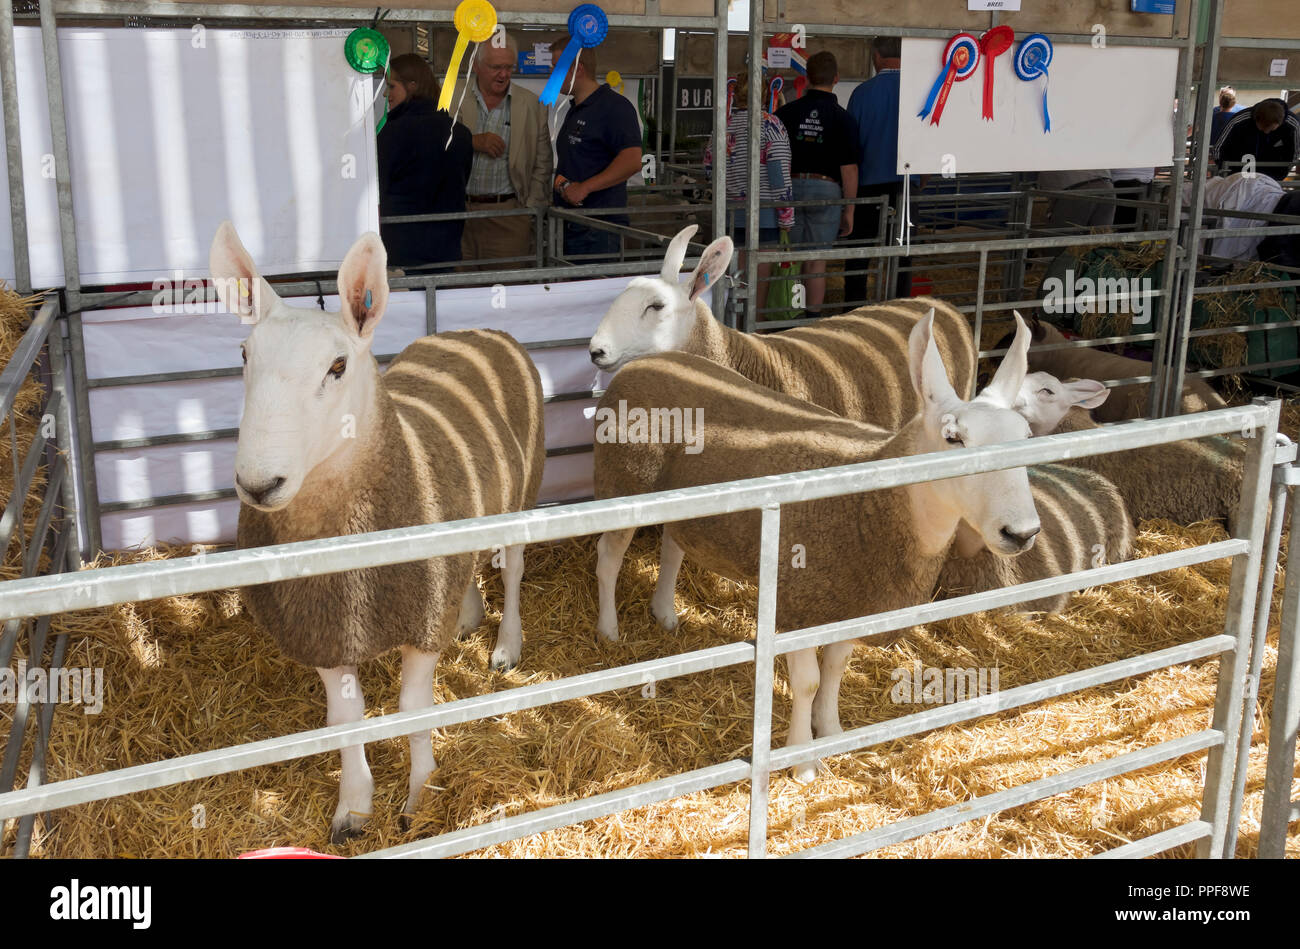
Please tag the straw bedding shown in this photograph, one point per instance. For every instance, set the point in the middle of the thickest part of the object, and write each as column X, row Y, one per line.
column 189, row 673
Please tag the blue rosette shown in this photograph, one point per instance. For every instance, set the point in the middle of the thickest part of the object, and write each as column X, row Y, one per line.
column 587, row 28
column 961, row 57
column 1033, row 56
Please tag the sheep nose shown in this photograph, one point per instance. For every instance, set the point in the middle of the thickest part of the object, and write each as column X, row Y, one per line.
column 1021, row 540
column 597, row 355
column 258, row 493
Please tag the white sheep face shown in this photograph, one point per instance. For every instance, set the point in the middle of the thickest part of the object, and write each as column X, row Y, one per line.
column 309, row 379
column 1045, row 400
column 656, row 314
column 998, row 504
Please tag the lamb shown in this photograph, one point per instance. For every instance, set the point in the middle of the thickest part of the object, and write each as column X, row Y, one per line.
column 1127, row 402
column 1085, row 524
column 329, row 447
column 864, row 553
column 1185, row 482
column 851, row 364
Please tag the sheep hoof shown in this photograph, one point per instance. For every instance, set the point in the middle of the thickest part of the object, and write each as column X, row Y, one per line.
column 666, row 619
column 343, row 831
column 608, row 631
column 805, row 773
column 503, row 660
column 404, row 822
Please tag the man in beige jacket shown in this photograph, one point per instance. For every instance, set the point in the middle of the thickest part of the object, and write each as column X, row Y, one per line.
column 512, row 158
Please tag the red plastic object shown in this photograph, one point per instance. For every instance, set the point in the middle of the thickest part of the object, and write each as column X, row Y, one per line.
column 921, row 286
column 286, row 853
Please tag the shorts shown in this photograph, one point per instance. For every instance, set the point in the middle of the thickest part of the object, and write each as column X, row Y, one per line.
column 767, row 237
column 815, row 228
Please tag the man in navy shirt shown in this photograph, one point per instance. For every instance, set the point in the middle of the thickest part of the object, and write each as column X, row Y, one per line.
column 824, row 164
column 874, row 106
column 1266, row 131
column 597, row 150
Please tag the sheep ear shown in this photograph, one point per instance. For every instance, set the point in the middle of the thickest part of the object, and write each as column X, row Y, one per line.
column 363, row 284
column 676, row 253
column 712, row 265
column 1006, row 383
column 240, row 288
column 929, row 376
column 1086, row 393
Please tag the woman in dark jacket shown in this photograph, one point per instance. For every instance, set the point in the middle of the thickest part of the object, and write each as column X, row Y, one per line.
column 419, row 172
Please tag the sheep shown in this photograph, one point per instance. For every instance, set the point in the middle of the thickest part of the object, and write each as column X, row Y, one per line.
column 1085, row 524
column 327, row 446
column 1127, row 402
column 1193, row 480
column 851, row 364
column 863, row 553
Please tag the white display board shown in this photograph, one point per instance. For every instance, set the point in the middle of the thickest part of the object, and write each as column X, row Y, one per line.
column 172, row 131
column 144, row 340
column 1111, row 107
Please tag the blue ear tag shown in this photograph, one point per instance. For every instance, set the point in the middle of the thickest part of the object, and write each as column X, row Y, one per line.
column 367, row 299
column 706, row 278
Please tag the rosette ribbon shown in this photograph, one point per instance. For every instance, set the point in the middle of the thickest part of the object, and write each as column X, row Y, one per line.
column 961, row 57
column 475, row 20
column 992, row 45
column 587, row 28
column 1033, row 56
column 773, row 92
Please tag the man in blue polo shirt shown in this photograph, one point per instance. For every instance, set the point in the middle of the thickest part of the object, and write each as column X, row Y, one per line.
column 874, row 106
column 597, row 150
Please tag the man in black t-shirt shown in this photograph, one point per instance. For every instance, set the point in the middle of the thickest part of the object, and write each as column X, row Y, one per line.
column 824, row 165
column 597, row 150
column 1266, row 131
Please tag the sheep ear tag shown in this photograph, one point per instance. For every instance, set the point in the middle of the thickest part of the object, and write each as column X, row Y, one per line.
column 587, row 28
column 475, row 21
column 961, row 57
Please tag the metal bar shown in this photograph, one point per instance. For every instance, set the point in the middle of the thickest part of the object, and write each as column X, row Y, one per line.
column 1158, row 843
column 15, row 371
column 36, row 773
column 1263, row 606
column 1243, row 585
column 106, row 586
column 752, row 188
column 721, row 305
column 764, row 679
column 1014, row 797
column 561, row 815
column 14, row 508
column 14, row 153
column 430, row 311
column 1284, row 726
column 979, row 315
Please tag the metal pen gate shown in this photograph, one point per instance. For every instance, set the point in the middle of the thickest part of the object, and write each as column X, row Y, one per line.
column 1214, row 831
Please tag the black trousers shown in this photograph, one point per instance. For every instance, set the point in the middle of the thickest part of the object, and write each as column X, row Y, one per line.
column 1126, row 217
column 866, row 221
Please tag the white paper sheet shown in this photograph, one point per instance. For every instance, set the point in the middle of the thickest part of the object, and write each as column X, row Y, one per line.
column 166, row 138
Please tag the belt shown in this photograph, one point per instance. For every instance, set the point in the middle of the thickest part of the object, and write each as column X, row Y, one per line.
column 809, row 174
column 489, row 198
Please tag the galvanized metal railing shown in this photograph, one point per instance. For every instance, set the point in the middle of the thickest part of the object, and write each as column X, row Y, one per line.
column 54, row 531
column 1214, row 830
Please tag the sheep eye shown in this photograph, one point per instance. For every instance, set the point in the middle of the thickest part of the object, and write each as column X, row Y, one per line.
column 1047, row 392
column 337, row 367
column 657, row 305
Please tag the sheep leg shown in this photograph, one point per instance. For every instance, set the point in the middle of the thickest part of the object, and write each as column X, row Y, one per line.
column 664, row 603
column 609, row 560
column 802, row 666
column 510, row 636
column 345, row 703
column 417, row 693
column 826, row 706
column 471, row 610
